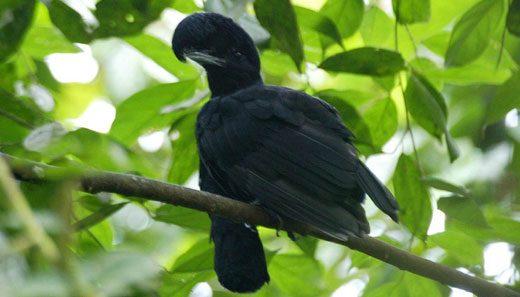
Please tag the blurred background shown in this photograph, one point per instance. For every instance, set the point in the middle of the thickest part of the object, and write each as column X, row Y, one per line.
column 95, row 84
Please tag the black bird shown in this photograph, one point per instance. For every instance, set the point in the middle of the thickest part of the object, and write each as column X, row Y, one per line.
column 282, row 149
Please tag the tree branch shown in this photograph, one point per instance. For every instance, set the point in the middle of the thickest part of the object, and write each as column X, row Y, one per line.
column 131, row 185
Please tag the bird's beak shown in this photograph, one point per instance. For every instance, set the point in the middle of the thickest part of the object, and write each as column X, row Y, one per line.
column 204, row 58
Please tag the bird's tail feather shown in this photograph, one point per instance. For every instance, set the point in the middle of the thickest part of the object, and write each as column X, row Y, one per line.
column 239, row 256
column 379, row 194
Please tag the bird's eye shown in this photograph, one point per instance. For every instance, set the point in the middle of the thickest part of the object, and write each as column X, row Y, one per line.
column 237, row 53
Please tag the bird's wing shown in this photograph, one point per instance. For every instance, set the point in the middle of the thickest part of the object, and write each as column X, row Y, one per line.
column 290, row 152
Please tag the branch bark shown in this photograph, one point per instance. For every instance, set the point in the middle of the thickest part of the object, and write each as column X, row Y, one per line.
column 132, row 185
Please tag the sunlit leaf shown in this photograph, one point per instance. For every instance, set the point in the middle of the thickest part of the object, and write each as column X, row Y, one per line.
column 381, row 119
column 472, row 32
column 183, row 217
column 460, row 246
column 150, row 105
column 161, row 54
column 278, row 17
column 347, row 14
column 411, row 11
column 464, row 210
column 185, row 160
column 317, row 22
column 366, row 60
column 415, row 209
column 296, row 275
column 197, row 258
column 43, row 41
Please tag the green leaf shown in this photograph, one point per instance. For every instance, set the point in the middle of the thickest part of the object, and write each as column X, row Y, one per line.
column 126, row 17
column 181, row 284
column 420, row 286
column 21, row 110
column 441, row 184
column 185, row 6
column 69, row 22
column 307, row 244
column 428, row 108
column 505, row 227
column 185, row 159
column 411, row 11
column 347, row 14
column 161, row 53
column 506, row 99
column 365, row 60
column 295, row 275
column 513, row 18
column 184, row 217
column 464, row 210
column 472, row 32
column 460, row 246
column 413, row 197
column 98, row 216
column 15, row 16
column 145, row 109
column 381, row 118
column 198, row 257
column 317, row 22
column 43, row 41
column 278, row 17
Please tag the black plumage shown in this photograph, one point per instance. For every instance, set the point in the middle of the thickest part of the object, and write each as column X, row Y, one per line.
column 282, row 149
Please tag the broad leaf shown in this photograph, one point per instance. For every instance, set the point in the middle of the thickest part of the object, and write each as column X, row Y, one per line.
column 365, row 60
column 464, row 210
column 428, row 108
column 296, row 275
column 347, row 14
column 459, row 246
column 411, row 11
column 70, row 22
column 317, row 22
column 185, row 160
column 161, row 53
column 414, row 200
column 278, row 17
column 381, row 118
column 43, row 41
column 198, row 257
column 184, row 217
column 472, row 32
column 150, row 104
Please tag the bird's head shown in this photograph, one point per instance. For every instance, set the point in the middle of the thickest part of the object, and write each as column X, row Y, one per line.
column 215, row 42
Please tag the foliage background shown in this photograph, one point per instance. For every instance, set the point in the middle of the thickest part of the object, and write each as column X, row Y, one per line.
column 94, row 83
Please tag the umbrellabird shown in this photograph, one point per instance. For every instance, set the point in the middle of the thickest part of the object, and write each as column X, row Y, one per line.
column 279, row 148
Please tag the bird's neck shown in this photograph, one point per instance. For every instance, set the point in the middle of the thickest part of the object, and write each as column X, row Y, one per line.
column 226, row 82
